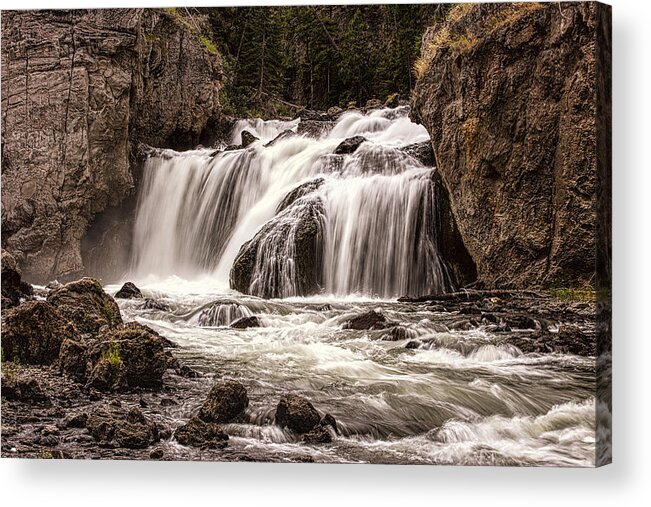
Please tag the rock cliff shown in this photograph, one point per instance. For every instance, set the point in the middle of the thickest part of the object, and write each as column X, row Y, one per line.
column 81, row 88
column 508, row 94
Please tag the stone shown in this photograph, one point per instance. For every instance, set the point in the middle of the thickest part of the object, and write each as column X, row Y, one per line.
column 499, row 112
column 11, row 290
column 226, row 402
column 199, row 433
column 130, row 429
column 367, row 321
column 246, row 322
column 33, row 333
column 129, row 291
column 85, row 303
column 19, row 387
column 349, row 145
column 318, row 435
column 297, row 414
column 81, row 88
column 392, row 100
column 373, row 104
column 299, row 191
column 248, row 139
column 73, row 360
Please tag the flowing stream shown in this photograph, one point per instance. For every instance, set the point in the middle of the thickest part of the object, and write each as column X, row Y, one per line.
column 464, row 397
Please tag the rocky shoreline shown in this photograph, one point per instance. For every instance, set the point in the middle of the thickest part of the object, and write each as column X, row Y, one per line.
column 79, row 383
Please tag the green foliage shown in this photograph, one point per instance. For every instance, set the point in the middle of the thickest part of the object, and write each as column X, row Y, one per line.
column 565, row 294
column 112, row 355
column 281, row 59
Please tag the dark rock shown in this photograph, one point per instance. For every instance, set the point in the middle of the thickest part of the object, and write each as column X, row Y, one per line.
column 314, row 128
column 299, row 191
column 413, row 344
column 157, row 453
column 199, row 433
column 33, row 332
column 329, row 420
column 285, row 134
column 85, row 303
column 73, row 359
column 520, row 322
column 422, row 152
column 129, row 291
column 106, row 78
column 226, row 402
column 130, row 429
column 525, row 215
column 350, row 145
column 76, row 420
column 11, row 290
column 367, row 321
column 245, row 322
column 248, row 138
column 17, row 387
column 398, row 333
column 318, row 435
column 127, row 357
column 297, row 414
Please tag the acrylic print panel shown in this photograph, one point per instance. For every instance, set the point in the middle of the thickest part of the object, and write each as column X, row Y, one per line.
column 339, row 234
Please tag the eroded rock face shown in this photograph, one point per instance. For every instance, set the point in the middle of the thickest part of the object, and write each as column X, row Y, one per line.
column 80, row 89
column 33, row 333
column 511, row 113
column 85, row 303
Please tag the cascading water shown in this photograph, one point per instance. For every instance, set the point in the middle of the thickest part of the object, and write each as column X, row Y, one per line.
column 376, row 211
column 292, row 217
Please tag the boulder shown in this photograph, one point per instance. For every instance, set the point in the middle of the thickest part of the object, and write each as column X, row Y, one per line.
column 368, row 321
column 334, row 111
column 397, row 333
column 297, row 414
column 33, row 333
column 422, row 152
column 226, row 402
column 373, row 104
column 85, row 303
column 110, row 424
column 127, row 357
column 314, row 128
column 392, row 100
column 11, row 291
column 73, row 360
column 285, row 134
column 129, row 291
column 23, row 388
column 299, row 191
column 318, row 435
column 349, row 145
column 248, row 138
column 246, row 322
column 199, row 433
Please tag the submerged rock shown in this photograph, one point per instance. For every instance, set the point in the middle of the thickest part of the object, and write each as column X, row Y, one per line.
column 285, row 134
column 85, row 303
column 129, row 291
column 226, row 402
column 350, row 145
column 33, row 333
column 246, row 322
column 368, row 321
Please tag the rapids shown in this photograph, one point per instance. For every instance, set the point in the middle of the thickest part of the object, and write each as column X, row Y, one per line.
column 464, row 398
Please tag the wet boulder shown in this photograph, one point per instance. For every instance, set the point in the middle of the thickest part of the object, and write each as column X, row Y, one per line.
column 349, row 145
column 318, row 435
column 314, row 128
column 299, row 191
column 246, row 322
column 33, row 333
column 397, row 333
column 422, row 152
column 199, row 433
column 285, row 134
column 368, row 321
column 226, row 402
column 128, row 291
column 85, row 303
column 248, row 139
column 16, row 386
column 297, row 414
column 110, row 424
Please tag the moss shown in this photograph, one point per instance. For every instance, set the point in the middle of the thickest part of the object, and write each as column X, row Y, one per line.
column 191, row 28
column 566, row 294
column 461, row 39
column 112, row 355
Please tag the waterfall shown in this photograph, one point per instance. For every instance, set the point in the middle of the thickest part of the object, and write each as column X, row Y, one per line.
column 292, row 217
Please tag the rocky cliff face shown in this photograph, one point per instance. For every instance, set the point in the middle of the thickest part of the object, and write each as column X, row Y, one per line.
column 80, row 90
column 508, row 94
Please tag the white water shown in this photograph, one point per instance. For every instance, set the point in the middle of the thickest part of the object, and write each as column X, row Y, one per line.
column 376, row 210
column 463, row 397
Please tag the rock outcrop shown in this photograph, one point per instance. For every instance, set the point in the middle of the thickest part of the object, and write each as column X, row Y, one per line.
column 80, row 89
column 507, row 92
